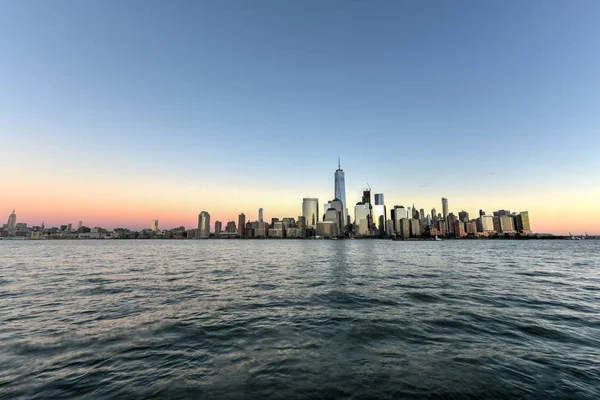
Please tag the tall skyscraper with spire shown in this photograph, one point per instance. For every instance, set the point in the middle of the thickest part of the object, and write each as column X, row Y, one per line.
column 340, row 190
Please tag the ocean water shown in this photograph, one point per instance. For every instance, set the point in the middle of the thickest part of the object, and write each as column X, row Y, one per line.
column 295, row 319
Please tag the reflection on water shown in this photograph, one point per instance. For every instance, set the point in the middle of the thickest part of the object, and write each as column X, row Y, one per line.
column 289, row 319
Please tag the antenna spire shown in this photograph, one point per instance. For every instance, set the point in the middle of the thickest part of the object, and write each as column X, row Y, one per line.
column 339, row 167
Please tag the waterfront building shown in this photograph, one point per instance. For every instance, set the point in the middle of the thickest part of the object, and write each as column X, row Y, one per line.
column 362, row 218
column 379, row 199
column 415, row 212
column 338, row 206
column 415, row 229
column 295, row 233
column 327, row 229
column 230, row 227
column 12, row 221
column 310, row 211
column 218, row 228
column 463, row 216
column 434, row 215
column 398, row 212
column 203, row 225
column 445, row 208
column 524, row 224
column 441, row 227
column 260, row 215
column 333, row 215
column 390, row 226
column 154, row 225
column 301, row 221
column 485, row 223
column 481, row 213
column 242, row 225
column 404, row 231
column 506, row 224
column 421, row 214
column 340, row 190
column 289, row 222
column 451, row 226
column 262, row 229
column 69, row 228
column 501, row 212
column 471, row 228
column 380, row 218
column 459, row 228
column 80, row 225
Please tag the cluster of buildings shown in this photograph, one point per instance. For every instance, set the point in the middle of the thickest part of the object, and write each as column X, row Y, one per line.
column 372, row 219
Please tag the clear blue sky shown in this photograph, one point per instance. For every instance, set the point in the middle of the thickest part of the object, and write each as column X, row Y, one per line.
column 428, row 97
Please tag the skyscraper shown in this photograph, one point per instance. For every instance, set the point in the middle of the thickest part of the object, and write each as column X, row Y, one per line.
column 241, row 224
column 218, row 228
column 12, row 221
column 260, row 215
column 463, row 216
column 203, row 225
column 154, row 225
column 379, row 199
column 310, row 211
column 362, row 218
column 340, row 190
column 445, row 208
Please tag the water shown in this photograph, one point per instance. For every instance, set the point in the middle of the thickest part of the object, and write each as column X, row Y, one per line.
column 299, row 319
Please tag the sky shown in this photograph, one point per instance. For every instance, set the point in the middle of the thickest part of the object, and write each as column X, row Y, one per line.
column 116, row 113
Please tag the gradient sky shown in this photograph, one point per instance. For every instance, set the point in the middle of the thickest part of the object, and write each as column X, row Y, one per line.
column 120, row 112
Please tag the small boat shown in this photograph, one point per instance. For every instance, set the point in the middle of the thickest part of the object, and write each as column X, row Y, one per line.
column 437, row 239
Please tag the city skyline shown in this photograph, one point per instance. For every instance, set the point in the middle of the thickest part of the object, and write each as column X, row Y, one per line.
column 197, row 107
column 377, row 213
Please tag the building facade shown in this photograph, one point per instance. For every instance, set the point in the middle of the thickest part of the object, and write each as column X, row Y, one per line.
column 310, row 211
column 203, row 225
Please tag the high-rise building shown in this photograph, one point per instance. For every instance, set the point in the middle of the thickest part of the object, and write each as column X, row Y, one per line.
column 501, row 212
column 463, row 216
column 203, row 225
column 380, row 218
column 337, row 205
column 421, row 214
column 362, row 218
column 445, row 208
column 69, row 227
column 525, row 224
column 154, row 225
column 80, row 225
column 485, row 223
column 380, row 214
column 218, row 228
column 334, row 216
column 260, row 215
column 415, row 212
column 451, row 225
column 230, row 227
column 241, row 224
column 12, row 221
column 366, row 197
column 310, row 211
column 340, row 190
column 506, row 224
column 301, row 221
